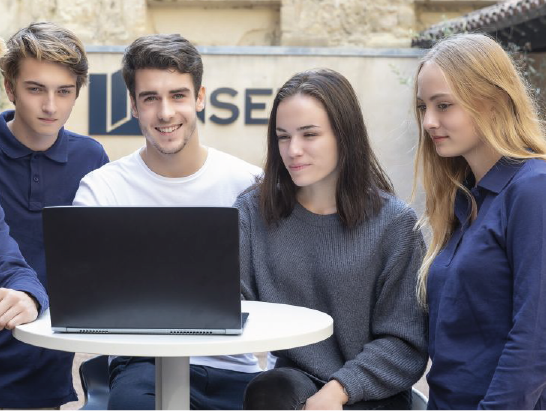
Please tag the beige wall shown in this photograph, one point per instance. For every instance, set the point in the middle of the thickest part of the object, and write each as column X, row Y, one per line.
column 377, row 78
column 218, row 26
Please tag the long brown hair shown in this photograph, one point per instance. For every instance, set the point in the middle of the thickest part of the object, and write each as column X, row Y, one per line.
column 478, row 71
column 360, row 175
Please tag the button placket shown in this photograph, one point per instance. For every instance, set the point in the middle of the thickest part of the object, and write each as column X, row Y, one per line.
column 36, row 188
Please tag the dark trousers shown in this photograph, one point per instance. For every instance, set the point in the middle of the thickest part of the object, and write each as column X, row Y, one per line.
column 288, row 389
column 132, row 386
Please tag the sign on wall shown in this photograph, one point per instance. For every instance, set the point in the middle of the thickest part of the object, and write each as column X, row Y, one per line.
column 110, row 110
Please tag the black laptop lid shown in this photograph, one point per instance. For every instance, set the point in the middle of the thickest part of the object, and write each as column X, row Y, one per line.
column 143, row 267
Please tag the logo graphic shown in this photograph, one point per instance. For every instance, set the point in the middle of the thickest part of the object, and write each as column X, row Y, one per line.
column 109, row 107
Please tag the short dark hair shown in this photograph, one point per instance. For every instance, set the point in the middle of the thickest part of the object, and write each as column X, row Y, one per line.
column 361, row 177
column 49, row 42
column 162, row 51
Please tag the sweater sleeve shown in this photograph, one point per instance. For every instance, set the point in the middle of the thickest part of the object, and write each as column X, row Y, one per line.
column 396, row 357
column 248, row 282
column 519, row 381
column 15, row 273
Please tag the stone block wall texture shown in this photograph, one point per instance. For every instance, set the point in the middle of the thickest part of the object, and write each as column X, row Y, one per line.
column 95, row 22
column 301, row 23
column 338, row 23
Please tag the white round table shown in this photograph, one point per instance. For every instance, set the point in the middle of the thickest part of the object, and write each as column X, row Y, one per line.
column 269, row 327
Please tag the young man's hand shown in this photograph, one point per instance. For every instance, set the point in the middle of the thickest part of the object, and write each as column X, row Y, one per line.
column 330, row 397
column 16, row 307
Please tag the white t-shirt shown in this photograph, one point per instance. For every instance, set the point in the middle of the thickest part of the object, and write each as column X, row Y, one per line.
column 129, row 182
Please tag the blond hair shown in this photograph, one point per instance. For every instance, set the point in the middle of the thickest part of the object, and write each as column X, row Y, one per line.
column 478, row 71
column 49, row 42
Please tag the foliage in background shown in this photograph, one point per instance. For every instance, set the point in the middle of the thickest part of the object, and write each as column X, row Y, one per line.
column 532, row 67
column 403, row 78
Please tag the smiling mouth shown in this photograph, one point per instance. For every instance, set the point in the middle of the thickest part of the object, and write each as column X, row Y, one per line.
column 167, row 130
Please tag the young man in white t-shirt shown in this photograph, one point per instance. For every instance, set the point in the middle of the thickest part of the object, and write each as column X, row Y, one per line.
column 163, row 74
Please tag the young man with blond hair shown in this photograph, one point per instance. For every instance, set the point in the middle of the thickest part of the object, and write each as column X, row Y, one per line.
column 163, row 74
column 41, row 165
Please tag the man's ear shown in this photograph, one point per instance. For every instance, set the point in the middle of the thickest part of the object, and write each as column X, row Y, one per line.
column 134, row 110
column 201, row 97
column 9, row 90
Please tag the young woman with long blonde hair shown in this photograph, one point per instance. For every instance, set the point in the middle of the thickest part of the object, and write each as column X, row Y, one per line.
column 481, row 161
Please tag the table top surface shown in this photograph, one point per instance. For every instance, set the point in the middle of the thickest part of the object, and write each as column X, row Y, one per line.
column 269, row 327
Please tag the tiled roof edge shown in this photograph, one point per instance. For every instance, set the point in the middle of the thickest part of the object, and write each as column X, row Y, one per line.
column 489, row 19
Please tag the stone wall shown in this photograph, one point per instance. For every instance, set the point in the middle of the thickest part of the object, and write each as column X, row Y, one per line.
column 300, row 23
column 334, row 23
column 94, row 22
column 219, row 24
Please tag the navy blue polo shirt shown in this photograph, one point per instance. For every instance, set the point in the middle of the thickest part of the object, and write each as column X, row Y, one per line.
column 32, row 377
column 487, row 296
column 15, row 273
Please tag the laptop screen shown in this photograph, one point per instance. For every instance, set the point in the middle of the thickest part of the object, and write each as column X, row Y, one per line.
column 143, row 268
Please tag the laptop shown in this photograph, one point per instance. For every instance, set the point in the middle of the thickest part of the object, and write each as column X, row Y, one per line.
column 144, row 270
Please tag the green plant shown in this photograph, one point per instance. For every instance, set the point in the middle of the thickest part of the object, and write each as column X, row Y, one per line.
column 403, row 78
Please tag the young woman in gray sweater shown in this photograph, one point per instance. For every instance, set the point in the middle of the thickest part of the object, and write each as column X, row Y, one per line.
column 323, row 230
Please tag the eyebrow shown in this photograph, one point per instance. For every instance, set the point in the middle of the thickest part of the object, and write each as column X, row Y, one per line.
column 299, row 128
column 147, row 93
column 180, row 90
column 436, row 96
column 35, row 83
column 154, row 93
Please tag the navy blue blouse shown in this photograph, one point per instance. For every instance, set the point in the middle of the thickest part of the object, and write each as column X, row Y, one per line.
column 487, row 296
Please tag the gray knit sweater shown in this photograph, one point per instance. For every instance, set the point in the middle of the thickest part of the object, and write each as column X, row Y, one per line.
column 364, row 278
